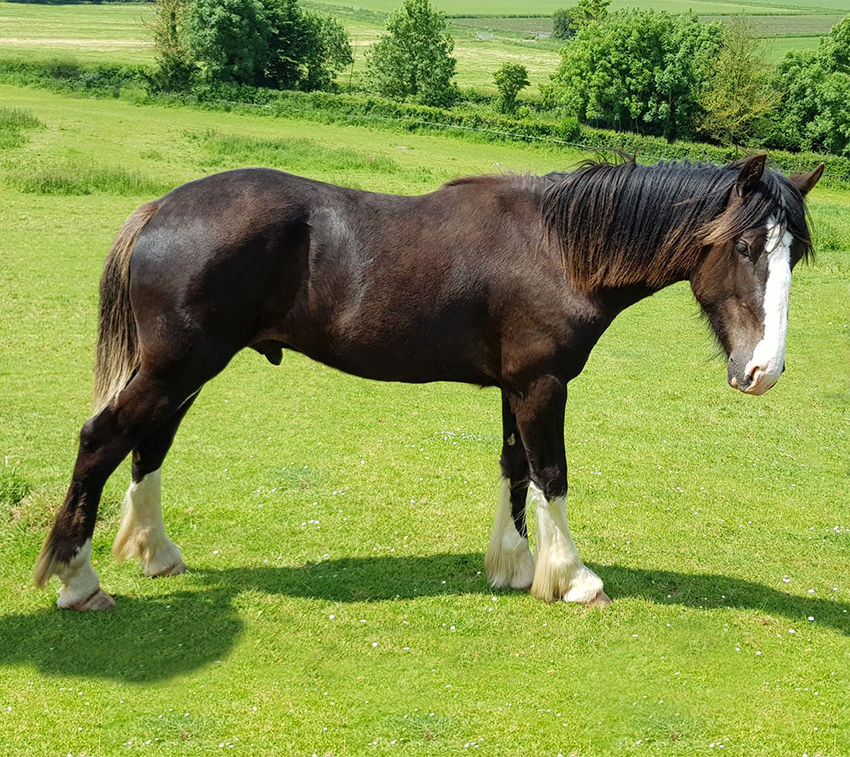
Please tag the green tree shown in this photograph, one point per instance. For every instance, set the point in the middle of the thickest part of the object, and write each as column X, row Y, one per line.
column 230, row 39
column 328, row 54
column 413, row 60
column 738, row 94
column 174, row 65
column 267, row 43
column 639, row 70
column 587, row 12
column 562, row 24
column 814, row 93
column 510, row 79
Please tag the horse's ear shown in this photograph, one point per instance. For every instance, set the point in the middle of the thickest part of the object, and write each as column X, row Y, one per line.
column 750, row 174
column 805, row 181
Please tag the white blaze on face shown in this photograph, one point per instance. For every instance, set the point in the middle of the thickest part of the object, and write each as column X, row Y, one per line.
column 768, row 358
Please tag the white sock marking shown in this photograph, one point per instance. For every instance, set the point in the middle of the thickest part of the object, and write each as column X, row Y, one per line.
column 142, row 531
column 769, row 354
column 79, row 581
column 509, row 561
column 560, row 573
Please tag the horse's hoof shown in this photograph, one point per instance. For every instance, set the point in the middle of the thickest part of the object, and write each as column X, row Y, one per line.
column 175, row 570
column 600, row 600
column 100, row 600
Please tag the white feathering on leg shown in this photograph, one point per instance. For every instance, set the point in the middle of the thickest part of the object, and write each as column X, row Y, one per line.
column 142, row 531
column 509, row 561
column 560, row 573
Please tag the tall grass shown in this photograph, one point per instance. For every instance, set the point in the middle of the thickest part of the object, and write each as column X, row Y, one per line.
column 13, row 487
column 13, row 122
column 73, row 178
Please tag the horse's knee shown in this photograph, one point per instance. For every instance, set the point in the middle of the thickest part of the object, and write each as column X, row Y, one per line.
column 552, row 481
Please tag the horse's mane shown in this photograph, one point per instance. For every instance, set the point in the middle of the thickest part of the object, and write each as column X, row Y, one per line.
column 628, row 223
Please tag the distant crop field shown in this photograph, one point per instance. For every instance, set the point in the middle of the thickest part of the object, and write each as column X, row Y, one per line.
column 103, row 33
column 500, row 7
column 802, row 25
column 778, row 46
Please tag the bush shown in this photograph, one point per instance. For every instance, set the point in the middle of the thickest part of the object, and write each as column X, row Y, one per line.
column 638, row 69
column 510, row 79
column 562, row 24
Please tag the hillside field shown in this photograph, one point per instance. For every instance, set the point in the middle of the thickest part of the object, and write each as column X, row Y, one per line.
column 335, row 528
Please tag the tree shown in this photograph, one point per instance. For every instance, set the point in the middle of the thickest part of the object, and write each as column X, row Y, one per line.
column 814, row 91
column 587, row 12
column 413, row 60
column 738, row 94
column 636, row 69
column 562, row 24
column 174, row 63
column 567, row 21
column 231, row 40
column 328, row 53
column 267, row 43
column 510, row 79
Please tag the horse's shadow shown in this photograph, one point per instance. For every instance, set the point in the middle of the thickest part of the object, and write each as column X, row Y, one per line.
column 144, row 640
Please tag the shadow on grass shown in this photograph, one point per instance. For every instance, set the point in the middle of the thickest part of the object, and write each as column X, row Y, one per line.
column 145, row 640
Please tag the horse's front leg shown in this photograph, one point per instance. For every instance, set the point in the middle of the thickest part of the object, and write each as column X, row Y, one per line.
column 559, row 573
column 509, row 562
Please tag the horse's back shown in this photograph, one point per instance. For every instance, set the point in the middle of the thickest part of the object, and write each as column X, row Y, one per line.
column 383, row 286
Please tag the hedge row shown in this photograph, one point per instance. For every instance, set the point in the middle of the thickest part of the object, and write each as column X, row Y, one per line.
column 366, row 109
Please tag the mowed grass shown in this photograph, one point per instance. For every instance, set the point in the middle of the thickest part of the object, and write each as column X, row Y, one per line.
column 335, row 528
column 102, row 33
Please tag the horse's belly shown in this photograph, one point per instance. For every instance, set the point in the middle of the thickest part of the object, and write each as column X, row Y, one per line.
column 413, row 361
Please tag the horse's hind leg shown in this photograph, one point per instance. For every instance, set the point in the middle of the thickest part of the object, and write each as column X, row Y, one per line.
column 142, row 532
column 509, row 561
column 148, row 401
column 559, row 573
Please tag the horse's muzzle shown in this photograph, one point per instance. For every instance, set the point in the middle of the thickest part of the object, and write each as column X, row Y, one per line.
column 751, row 380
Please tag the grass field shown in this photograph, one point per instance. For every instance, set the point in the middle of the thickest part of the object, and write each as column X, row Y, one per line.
column 335, row 528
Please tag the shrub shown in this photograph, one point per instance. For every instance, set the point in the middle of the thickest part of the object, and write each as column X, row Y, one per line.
column 510, row 79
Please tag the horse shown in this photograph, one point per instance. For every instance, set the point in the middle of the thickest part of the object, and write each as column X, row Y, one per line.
column 506, row 281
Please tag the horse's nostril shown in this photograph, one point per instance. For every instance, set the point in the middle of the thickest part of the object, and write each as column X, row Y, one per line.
column 745, row 381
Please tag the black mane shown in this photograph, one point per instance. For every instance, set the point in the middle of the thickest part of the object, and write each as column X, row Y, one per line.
column 624, row 223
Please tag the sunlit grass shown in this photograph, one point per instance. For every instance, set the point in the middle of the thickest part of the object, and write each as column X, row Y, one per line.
column 307, row 502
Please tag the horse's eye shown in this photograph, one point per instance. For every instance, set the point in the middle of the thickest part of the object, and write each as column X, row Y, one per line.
column 742, row 247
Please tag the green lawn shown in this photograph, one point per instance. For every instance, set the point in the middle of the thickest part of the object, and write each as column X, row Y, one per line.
column 335, row 528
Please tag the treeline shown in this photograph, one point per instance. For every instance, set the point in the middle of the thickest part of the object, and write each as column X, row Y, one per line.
column 279, row 45
column 464, row 120
column 671, row 75
column 642, row 78
column 649, row 72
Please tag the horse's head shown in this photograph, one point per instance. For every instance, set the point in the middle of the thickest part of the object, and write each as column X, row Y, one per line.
column 743, row 279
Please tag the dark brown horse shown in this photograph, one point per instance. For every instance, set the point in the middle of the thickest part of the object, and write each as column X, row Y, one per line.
column 497, row 280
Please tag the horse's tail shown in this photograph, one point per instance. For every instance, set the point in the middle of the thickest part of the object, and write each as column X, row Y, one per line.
column 118, row 356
